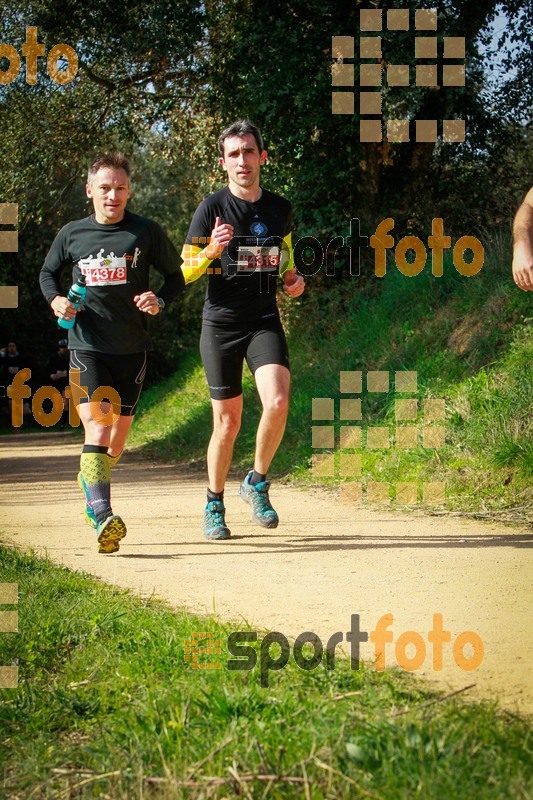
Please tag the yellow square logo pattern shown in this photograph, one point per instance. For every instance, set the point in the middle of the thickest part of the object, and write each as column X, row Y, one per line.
column 343, row 458
column 202, row 644
column 9, row 675
column 9, row 243
column 372, row 22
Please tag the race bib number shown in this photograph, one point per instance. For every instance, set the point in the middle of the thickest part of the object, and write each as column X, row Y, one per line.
column 262, row 259
column 104, row 271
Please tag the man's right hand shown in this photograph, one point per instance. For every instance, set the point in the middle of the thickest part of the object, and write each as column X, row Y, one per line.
column 63, row 308
column 221, row 236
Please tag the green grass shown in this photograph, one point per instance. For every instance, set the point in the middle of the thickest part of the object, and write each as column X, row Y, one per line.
column 106, row 707
column 470, row 341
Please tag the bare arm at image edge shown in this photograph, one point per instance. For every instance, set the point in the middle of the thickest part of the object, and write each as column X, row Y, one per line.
column 523, row 244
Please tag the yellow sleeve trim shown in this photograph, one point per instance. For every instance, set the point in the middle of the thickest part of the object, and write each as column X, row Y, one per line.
column 195, row 262
column 286, row 262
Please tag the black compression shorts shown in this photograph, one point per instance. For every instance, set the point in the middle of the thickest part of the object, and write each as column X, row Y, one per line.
column 125, row 373
column 224, row 347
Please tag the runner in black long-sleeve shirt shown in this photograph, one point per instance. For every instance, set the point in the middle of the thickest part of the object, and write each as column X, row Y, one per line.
column 114, row 249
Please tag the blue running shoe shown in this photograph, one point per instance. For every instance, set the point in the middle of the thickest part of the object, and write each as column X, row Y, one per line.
column 215, row 528
column 257, row 497
column 90, row 517
column 110, row 532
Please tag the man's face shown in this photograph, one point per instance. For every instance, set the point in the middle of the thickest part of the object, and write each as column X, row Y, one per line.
column 109, row 190
column 11, row 348
column 242, row 160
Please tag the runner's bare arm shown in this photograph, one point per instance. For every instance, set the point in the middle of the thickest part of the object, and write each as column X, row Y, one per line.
column 523, row 244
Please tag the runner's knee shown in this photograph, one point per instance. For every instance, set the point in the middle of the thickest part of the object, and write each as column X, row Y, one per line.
column 227, row 424
column 278, row 404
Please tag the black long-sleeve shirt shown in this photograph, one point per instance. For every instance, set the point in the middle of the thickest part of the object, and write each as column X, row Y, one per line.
column 115, row 260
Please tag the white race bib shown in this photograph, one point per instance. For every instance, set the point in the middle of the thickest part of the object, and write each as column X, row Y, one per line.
column 109, row 271
column 261, row 258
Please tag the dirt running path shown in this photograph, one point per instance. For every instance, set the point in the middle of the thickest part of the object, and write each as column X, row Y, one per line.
column 326, row 561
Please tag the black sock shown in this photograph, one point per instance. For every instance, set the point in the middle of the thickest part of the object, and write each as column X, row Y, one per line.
column 256, row 478
column 214, row 495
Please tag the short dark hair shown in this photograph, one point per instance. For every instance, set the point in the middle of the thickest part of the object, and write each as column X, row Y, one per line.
column 115, row 160
column 240, row 128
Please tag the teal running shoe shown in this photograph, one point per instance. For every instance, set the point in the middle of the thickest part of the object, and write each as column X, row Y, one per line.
column 257, row 497
column 215, row 528
column 110, row 532
column 90, row 516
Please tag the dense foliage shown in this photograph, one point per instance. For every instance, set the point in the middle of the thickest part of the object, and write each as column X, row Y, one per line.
column 159, row 79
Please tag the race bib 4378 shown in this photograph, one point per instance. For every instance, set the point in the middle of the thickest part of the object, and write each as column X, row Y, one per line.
column 104, row 271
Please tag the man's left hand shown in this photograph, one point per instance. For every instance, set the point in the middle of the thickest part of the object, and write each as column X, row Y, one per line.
column 293, row 283
column 147, row 302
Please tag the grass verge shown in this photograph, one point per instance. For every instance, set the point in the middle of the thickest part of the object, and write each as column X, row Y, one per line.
column 106, row 707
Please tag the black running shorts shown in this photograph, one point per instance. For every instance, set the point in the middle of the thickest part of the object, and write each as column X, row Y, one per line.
column 224, row 347
column 124, row 373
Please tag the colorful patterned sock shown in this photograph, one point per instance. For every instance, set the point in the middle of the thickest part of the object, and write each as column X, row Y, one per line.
column 113, row 460
column 94, row 465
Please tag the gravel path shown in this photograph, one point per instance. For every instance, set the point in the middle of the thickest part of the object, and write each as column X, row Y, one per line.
column 326, row 561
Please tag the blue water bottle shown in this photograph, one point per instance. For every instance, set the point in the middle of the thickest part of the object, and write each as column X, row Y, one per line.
column 76, row 296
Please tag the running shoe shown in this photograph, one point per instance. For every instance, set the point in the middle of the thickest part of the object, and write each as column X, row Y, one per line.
column 110, row 532
column 257, row 497
column 90, row 516
column 215, row 528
